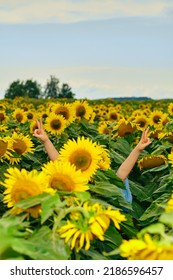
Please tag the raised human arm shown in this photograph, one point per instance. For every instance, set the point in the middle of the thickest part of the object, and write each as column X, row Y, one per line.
column 42, row 135
column 126, row 167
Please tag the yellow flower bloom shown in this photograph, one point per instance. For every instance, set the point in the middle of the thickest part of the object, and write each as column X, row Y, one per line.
column 5, row 148
column 79, row 237
column 105, row 162
column 124, row 128
column 151, row 161
column 82, row 110
column 115, row 216
column 19, row 115
column 21, row 185
column 155, row 118
column 146, row 249
column 129, row 248
column 21, row 145
column 3, row 128
column 81, row 230
column 65, row 110
column 170, row 158
column 3, row 117
column 83, row 153
column 169, row 204
column 64, row 177
column 55, row 124
column 170, row 109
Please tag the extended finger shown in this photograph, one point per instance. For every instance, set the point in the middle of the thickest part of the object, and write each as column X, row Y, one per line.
column 38, row 123
column 41, row 123
column 145, row 133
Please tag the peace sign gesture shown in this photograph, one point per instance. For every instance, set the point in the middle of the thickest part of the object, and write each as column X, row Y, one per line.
column 40, row 132
column 144, row 141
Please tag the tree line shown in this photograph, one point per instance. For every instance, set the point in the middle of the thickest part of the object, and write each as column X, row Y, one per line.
column 32, row 89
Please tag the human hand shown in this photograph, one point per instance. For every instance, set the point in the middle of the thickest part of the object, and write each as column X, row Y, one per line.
column 40, row 132
column 144, row 141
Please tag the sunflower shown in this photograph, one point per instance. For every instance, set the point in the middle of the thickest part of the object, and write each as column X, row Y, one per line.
column 170, row 157
column 2, row 106
column 64, row 177
column 21, row 146
column 3, row 117
column 141, row 122
column 92, row 117
column 5, row 148
column 170, row 109
column 83, row 153
column 19, row 185
column 3, row 128
column 82, row 110
column 65, row 110
column 81, row 230
column 105, row 162
column 104, row 128
column 151, row 161
column 113, row 116
column 30, row 114
column 19, row 115
column 155, row 118
column 169, row 206
column 164, row 120
column 55, row 124
column 166, row 135
column 146, row 249
column 124, row 128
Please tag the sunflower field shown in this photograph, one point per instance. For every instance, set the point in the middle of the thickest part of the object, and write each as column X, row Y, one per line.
column 73, row 208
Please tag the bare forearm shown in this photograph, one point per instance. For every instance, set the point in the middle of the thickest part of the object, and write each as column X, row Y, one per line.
column 128, row 164
column 52, row 152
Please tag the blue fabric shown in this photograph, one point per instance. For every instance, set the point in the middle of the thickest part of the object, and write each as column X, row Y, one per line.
column 127, row 193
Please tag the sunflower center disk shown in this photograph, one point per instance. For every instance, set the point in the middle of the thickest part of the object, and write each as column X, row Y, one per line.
column 80, row 112
column 2, row 117
column 63, row 113
column 81, row 160
column 20, row 147
column 24, row 189
column 3, row 148
column 62, row 183
column 56, row 124
column 156, row 119
column 19, row 117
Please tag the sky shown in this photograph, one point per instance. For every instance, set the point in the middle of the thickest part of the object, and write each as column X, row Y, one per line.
column 101, row 48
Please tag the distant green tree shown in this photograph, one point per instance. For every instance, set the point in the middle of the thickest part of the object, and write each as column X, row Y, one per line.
column 66, row 92
column 32, row 89
column 15, row 89
column 29, row 89
column 52, row 89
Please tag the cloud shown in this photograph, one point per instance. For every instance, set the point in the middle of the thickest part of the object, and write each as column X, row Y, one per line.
column 66, row 11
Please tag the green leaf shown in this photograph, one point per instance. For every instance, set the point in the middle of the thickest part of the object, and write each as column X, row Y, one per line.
column 48, row 206
column 83, row 196
column 128, row 228
column 167, row 219
column 32, row 201
column 139, row 191
column 154, row 210
column 156, row 169
column 117, row 157
column 106, row 189
column 40, row 246
column 156, row 228
column 122, row 146
column 113, row 236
